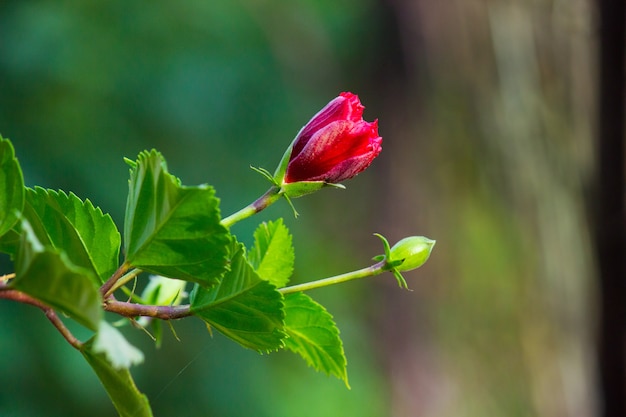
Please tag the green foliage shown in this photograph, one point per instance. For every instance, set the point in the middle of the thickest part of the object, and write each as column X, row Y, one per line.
column 243, row 306
column 10, row 242
column 272, row 255
column 66, row 254
column 170, row 229
column 88, row 237
column 11, row 187
column 314, row 335
column 118, row 382
column 50, row 276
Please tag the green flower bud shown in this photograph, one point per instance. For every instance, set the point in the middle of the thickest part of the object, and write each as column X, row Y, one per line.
column 410, row 253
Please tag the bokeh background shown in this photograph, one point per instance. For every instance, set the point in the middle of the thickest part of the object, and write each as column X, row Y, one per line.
column 487, row 113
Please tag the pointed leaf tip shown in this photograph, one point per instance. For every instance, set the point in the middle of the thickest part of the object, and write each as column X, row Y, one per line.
column 314, row 336
column 63, row 221
column 170, row 229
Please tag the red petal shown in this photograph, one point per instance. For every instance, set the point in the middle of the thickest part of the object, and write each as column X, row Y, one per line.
column 345, row 107
column 339, row 151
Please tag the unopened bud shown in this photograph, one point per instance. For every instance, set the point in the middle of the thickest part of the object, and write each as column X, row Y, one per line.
column 412, row 252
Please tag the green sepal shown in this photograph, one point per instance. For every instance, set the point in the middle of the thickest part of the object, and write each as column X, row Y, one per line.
column 170, row 229
column 281, row 169
column 386, row 247
column 272, row 255
column 116, row 379
column 408, row 254
column 301, row 188
column 314, row 336
column 266, row 174
column 48, row 275
column 11, row 187
column 242, row 306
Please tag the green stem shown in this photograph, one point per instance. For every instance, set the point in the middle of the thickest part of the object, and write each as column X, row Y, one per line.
column 129, row 276
column 270, row 197
column 370, row 271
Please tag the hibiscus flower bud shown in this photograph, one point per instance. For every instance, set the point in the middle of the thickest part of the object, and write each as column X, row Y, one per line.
column 335, row 145
column 411, row 252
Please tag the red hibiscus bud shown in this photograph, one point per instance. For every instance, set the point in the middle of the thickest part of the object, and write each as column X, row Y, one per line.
column 335, row 145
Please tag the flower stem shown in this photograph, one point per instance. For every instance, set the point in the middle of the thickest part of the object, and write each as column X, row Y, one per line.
column 271, row 196
column 370, row 271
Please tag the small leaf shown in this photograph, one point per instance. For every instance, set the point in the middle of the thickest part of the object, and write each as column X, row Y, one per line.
column 11, row 187
column 272, row 255
column 118, row 383
column 48, row 275
column 314, row 335
column 242, row 306
column 88, row 237
column 119, row 353
column 170, row 229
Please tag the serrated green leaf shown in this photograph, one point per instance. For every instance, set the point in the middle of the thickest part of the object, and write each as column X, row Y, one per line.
column 118, row 382
column 314, row 335
column 170, row 229
column 242, row 306
column 11, row 187
column 65, row 222
column 272, row 255
column 49, row 275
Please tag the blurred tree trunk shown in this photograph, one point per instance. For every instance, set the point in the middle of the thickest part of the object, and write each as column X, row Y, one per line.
column 488, row 150
column 610, row 222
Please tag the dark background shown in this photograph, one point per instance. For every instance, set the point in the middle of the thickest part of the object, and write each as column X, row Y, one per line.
column 488, row 114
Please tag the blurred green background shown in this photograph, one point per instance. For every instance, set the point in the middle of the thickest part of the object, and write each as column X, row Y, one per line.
column 485, row 108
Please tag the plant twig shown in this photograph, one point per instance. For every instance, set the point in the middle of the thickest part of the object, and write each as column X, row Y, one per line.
column 134, row 310
column 122, row 281
column 105, row 289
column 20, row 297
